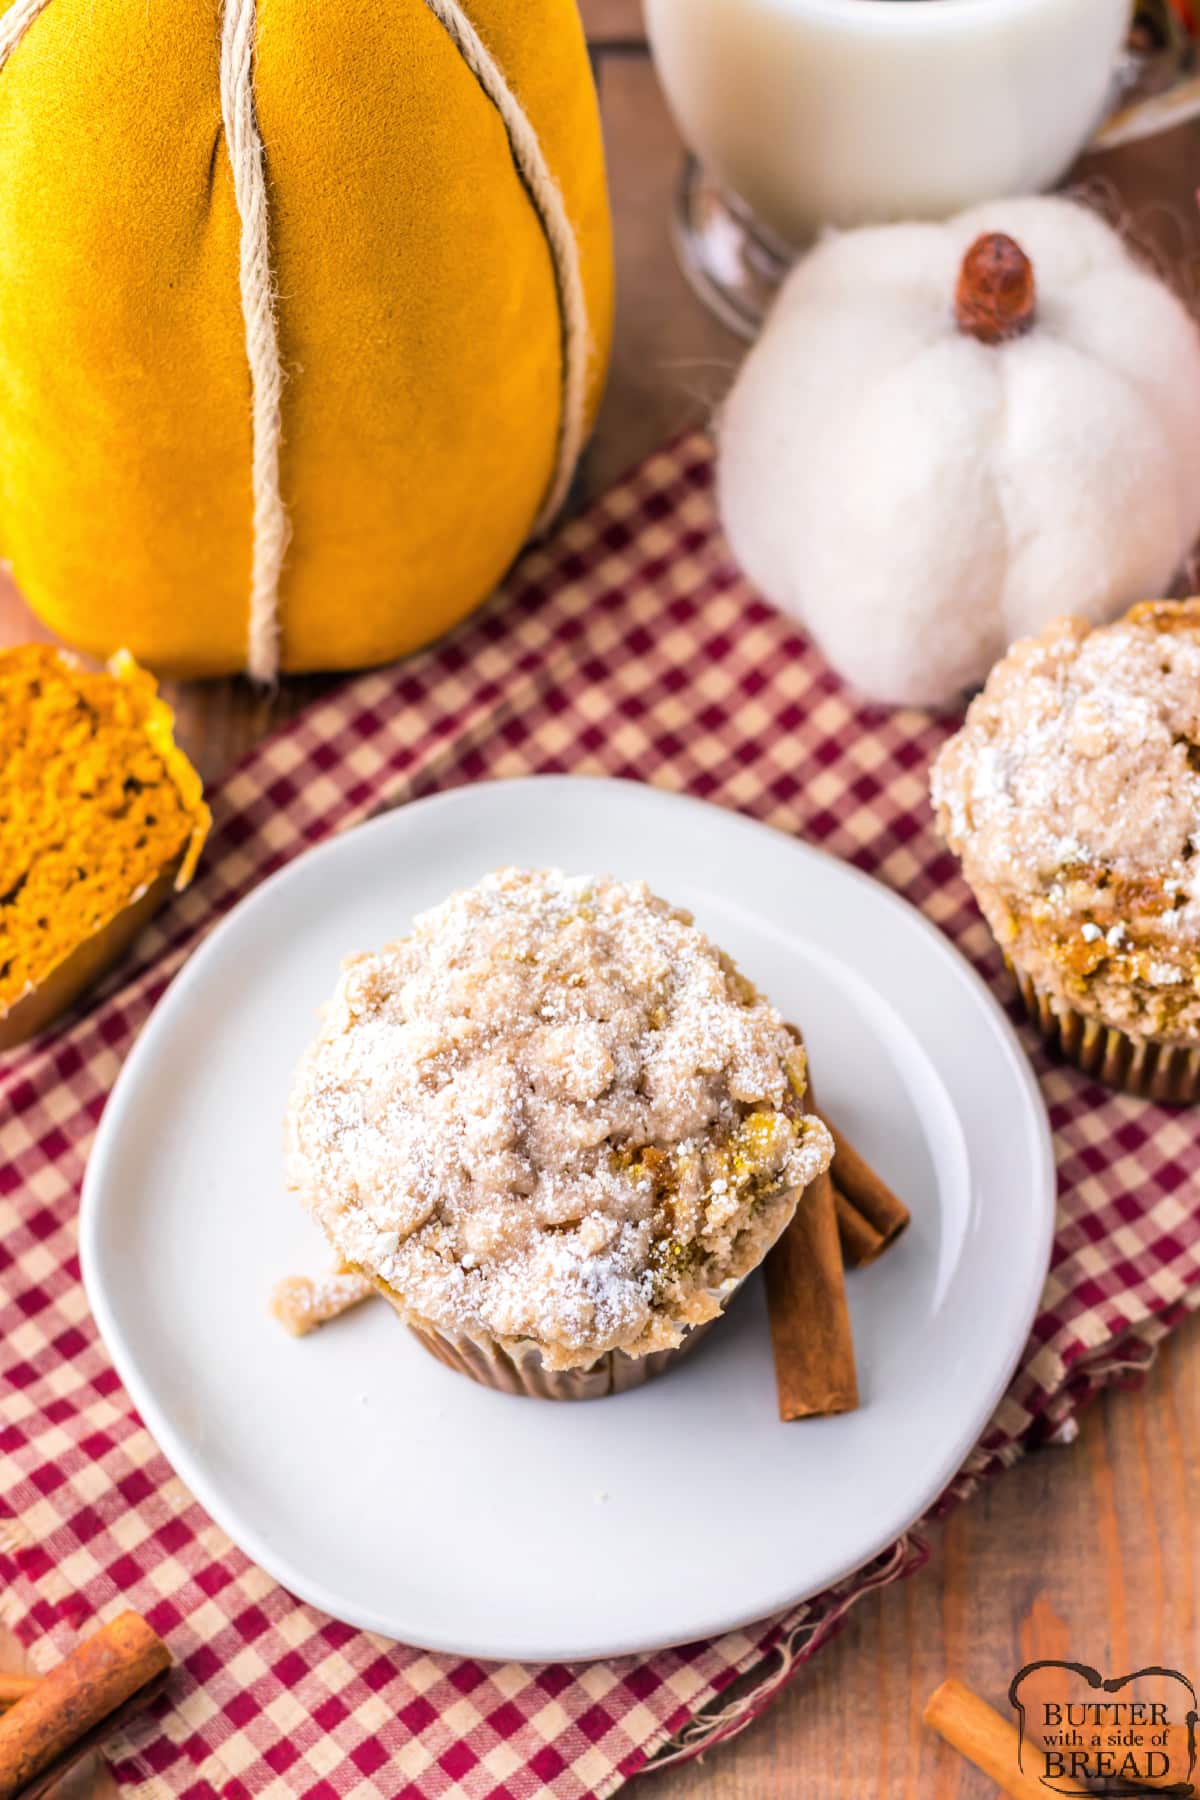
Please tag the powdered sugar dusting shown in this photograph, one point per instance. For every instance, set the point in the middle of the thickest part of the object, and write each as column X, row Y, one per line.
column 556, row 1113
column 1072, row 795
column 302, row 1302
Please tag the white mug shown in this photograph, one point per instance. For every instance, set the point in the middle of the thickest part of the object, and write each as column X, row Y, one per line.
column 849, row 112
column 807, row 113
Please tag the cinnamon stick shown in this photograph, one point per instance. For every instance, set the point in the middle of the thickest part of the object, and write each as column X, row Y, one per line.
column 860, row 1244
column 95, row 1682
column 810, row 1321
column 870, row 1216
column 984, row 1737
column 15, row 1687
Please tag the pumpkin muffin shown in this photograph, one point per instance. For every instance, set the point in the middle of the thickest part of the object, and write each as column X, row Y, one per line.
column 1072, row 797
column 556, row 1128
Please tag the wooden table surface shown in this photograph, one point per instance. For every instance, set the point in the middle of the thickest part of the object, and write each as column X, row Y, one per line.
column 1090, row 1551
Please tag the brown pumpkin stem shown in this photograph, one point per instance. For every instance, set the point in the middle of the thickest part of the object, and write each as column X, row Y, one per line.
column 996, row 297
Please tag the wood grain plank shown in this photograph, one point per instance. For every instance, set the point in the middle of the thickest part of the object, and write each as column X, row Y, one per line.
column 1022, row 1570
column 17, row 623
column 1090, row 1549
column 612, row 21
column 672, row 363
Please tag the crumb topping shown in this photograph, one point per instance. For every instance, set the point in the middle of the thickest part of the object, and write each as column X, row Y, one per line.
column 1072, row 796
column 556, row 1112
column 303, row 1302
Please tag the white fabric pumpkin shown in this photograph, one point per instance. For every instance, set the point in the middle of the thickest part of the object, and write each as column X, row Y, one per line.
column 918, row 498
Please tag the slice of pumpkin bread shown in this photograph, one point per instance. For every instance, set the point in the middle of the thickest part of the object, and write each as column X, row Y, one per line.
column 100, row 815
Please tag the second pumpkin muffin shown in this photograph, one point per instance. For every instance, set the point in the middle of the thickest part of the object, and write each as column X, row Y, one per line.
column 1072, row 797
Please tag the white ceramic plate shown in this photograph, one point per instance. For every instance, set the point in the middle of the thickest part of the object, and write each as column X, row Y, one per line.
column 401, row 1497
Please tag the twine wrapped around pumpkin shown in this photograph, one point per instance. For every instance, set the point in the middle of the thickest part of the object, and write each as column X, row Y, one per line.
column 15, row 23
column 266, row 371
column 262, row 339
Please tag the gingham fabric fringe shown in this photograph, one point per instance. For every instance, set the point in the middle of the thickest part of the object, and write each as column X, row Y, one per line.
column 628, row 647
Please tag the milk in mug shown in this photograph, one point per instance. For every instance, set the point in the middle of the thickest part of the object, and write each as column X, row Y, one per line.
column 845, row 112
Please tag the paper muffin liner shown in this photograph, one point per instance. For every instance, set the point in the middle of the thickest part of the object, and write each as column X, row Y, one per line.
column 519, row 1369
column 1153, row 1069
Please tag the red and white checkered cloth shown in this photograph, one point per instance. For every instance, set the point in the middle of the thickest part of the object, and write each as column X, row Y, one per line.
column 630, row 646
